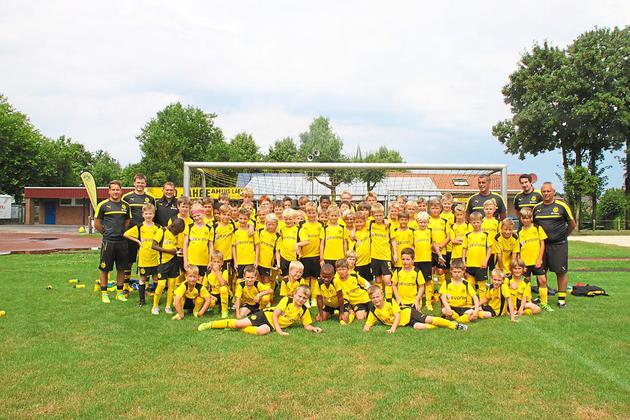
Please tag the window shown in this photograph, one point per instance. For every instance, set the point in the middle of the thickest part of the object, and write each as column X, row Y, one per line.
column 460, row 182
column 69, row 202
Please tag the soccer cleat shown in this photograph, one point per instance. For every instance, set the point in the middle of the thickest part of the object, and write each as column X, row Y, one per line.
column 546, row 307
column 536, row 301
column 204, row 326
column 168, row 310
column 121, row 297
column 224, row 314
column 141, row 302
column 562, row 304
column 461, row 327
column 105, row 298
column 155, row 311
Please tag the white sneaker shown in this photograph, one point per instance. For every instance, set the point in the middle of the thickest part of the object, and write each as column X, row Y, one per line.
column 155, row 311
column 168, row 310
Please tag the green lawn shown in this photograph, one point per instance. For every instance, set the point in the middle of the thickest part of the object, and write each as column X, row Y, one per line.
column 591, row 250
column 67, row 355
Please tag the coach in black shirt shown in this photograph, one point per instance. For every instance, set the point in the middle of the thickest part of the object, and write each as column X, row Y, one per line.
column 166, row 207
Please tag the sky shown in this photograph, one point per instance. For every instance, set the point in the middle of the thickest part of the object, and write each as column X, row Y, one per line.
column 423, row 78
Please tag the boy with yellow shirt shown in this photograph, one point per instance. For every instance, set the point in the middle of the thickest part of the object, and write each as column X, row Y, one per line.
column 252, row 295
column 521, row 290
column 361, row 237
column 476, row 251
column 148, row 258
column 408, row 283
column 289, row 285
column 165, row 242
column 191, row 296
column 491, row 226
column 286, row 313
column 289, row 236
column 309, row 237
column 380, row 250
column 269, row 243
column 352, row 291
column 423, row 250
column 532, row 242
column 198, row 241
column 401, row 238
column 459, row 300
column 333, row 239
column 393, row 315
column 459, row 229
column 330, row 298
column 440, row 237
column 208, row 208
column 223, row 232
column 498, row 298
column 506, row 245
column 244, row 246
column 217, row 283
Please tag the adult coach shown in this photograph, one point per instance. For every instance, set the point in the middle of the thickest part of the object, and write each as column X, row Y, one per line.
column 528, row 197
column 112, row 220
column 555, row 217
column 166, row 207
column 475, row 202
column 136, row 199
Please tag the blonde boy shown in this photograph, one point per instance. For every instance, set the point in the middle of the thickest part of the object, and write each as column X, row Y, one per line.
column 423, row 250
column 217, row 283
column 380, row 250
column 476, row 251
column 269, row 244
column 532, row 242
column 309, row 237
column 333, row 239
column 506, row 245
column 362, row 244
column 491, row 226
column 459, row 229
column 165, row 242
column 289, row 237
column 244, row 246
column 252, row 295
column 521, row 290
column 289, row 285
column 498, row 298
column 191, row 296
column 198, row 241
column 459, row 300
column 402, row 238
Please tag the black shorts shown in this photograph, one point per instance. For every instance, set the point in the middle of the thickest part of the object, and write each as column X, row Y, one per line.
column 492, row 262
column 180, row 262
column 435, row 261
column 531, row 269
column 488, row 308
column 311, row 267
column 189, row 305
column 169, row 270
column 331, row 310
column 258, row 318
column 360, row 307
column 381, row 267
column 284, row 267
column 264, row 271
column 365, row 272
column 132, row 252
column 447, row 257
column 416, row 317
column 477, row 273
column 425, row 268
column 203, row 269
column 252, row 308
column 332, row 262
column 556, row 258
column 459, row 310
column 229, row 266
column 148, row 271
column 217, row 298
column 114, row 252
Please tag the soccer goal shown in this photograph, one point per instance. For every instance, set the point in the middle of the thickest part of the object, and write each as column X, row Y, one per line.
column 277, row 180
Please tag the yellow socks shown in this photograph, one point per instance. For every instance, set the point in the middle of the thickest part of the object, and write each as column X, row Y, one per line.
column 543, row 293
column 170, row 293
column 388, row 292
column 463, row 319
column 223, row 323
column 562, row 296
column 250, row 330
column 441, row 279
column 224, row 293
column 528, row 312
column 441, row 322
column 159, row 289
column 428, row 292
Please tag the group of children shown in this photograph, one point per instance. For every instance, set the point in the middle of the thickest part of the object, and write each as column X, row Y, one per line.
column 348, row 261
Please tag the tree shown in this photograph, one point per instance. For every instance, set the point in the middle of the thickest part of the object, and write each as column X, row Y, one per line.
column 20, row 145
column 178, row 134
column 371, row 177
column 577, row 183
column 321, row 144
column 243, row 148
column 64, row 162
column 284, row 150
column 104, row 168
column 612, row 205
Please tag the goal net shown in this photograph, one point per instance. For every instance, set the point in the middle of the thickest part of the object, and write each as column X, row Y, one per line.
column 314, row 179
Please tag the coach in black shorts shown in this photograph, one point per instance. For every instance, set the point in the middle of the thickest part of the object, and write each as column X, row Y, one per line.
column 555, row 217
column 112, row 219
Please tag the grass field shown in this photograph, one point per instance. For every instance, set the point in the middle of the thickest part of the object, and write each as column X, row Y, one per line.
column 65, row 354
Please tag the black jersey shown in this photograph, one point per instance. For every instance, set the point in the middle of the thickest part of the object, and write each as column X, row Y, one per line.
column 136, row 201
column 554, row 218
column 475, row 203
column 530, row 200
column 113, row 215
column 165, row 210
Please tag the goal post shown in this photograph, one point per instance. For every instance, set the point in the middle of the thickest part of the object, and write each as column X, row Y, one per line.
column 313, row 179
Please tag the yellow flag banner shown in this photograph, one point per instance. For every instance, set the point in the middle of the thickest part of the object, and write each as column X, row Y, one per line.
column 235, row 193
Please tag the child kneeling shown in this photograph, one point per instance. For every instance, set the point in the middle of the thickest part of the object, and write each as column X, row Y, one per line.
column 389, row 313
column 282, row 316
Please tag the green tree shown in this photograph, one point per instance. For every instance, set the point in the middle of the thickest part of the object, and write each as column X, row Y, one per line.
column 104, row 168
column 284, row 150
column 20, row 145
column 178, row 134
column 371, row 177
column 577, row 183
column 321, row 144
column 129, row 171
column 612, row 205
column 243, row 148
column 64, row 162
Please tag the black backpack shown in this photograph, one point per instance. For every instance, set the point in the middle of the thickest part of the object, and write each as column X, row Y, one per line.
column 589, row 290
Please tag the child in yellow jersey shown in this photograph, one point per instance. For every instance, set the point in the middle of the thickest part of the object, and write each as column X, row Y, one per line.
column 183, row 205
column 286, row 313
column 402, row 238
column 381, row 251
column 262, row 215
column 330, row 298
column 198, row 241
column 289, row 236
column 459, row 300
column 322, row 217
column 421, row 205
column 361, row 237
column 394, row 315
column 165, row 242
column 348, row 222
column 148, row 258
column 278, row 208
column 309, row 237
column 498, row 298
column 491, row 226
column 408, row 283
column 532, row 242
column 506, row 245
column 423, row 250
column 191, row 296
column 521, row 290
column 234, row 213
column 269, row 243
column 440, row 237
column 294, row 277
column 223, row 233
column 224, row 199
column 244, row 246
column 448, row 215
column 476, row 251
column 412, row 208
column 352, row 291
column 459, row 229
column 208, row 209
column 351, row 258
column 251, row 296
column 216, row 281
column 333, row 239
column 392, row 217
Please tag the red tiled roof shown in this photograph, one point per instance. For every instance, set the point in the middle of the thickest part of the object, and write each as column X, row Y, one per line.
column 65, row 192
column 445, row 181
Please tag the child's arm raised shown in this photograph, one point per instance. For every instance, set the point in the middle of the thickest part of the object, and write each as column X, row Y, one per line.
column 157, row 247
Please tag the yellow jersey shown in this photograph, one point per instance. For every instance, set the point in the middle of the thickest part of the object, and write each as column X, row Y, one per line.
column 491, row 227
column 529, row 240
column 333, row 237
column 165, row 239
column 199, row 240
column 290, row 314
column 459, row 231
column 459, row 295
column 147, row 256
column 268, row 244
column 362, row 246
column 422, row 245
column 387, row 314
column 476, row 245
column 245, row 246
column 352, row 291
column 287, row 245
column 450, row 221
column 288, row 287
column 380, row 242
column 407, row 282
column 197, row 291
column 520, row 288
column 404, row 239
column 212, row 283
column 439, row 230
column 508, row 247
column 329, row 294
column 498, row 299
column 248, row 293
column 311, row 232
column 180, row 238
column 223, row 239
